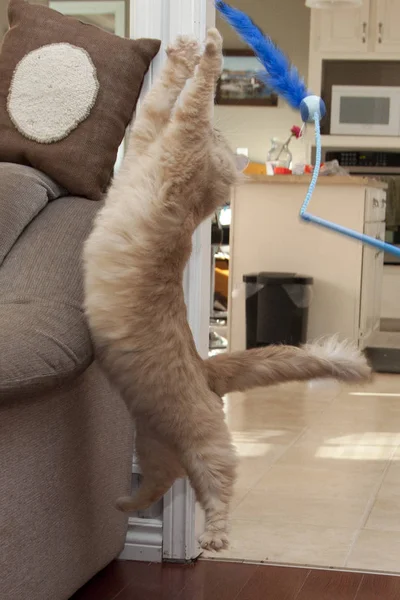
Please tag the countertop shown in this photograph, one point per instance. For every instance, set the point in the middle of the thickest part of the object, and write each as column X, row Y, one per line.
column 322, row 180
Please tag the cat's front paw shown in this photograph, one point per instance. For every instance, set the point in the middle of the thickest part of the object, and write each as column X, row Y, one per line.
column 213, row 50
column 214, row 541
column 185, row 53
column 125, row 504
column 214, row 41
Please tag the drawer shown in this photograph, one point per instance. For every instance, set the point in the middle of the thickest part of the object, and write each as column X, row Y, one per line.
column 375, row 205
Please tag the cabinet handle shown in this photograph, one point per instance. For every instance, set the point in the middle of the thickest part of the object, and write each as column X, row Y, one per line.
column 383, row 203
column 375, row 203
column 364, row 32
column 380, row 33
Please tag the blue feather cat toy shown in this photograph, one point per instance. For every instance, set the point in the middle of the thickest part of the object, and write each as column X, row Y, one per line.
column 282, row 77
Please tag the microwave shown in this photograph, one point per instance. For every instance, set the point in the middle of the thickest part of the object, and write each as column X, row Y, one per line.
column 365, row 110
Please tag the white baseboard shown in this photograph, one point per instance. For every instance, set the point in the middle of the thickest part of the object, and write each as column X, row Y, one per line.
column 143, row 540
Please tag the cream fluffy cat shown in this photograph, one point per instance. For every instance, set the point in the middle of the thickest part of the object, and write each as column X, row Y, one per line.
column 176, row 172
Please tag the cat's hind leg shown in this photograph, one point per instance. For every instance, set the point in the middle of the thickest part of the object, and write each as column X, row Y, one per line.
column 160, row 468
column 203, row 444
column 210, row 461
column 183, row 57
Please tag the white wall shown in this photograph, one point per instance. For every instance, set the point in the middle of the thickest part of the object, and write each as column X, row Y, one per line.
column 288, row 24
column 4, row 19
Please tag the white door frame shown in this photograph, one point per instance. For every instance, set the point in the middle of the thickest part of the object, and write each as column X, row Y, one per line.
column 181, row 520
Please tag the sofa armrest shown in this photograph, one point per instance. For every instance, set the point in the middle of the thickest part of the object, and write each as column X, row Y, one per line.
column 24, row 192
column 44, row 339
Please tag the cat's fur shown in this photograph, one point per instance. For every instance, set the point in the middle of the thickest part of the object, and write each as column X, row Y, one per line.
column 176, row 172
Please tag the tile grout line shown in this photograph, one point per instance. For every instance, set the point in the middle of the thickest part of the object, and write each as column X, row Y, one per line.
column 372, row 496
column 354, row 540
column 369, row 507
column 370, row 504
column 305, row 429
column 302, row 432
column 277, row 459
column 273, row 464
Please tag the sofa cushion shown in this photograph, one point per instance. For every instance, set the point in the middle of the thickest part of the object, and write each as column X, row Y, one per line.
column 44, row 339
column 23, row 193
column 67, row 93
column 42, row 346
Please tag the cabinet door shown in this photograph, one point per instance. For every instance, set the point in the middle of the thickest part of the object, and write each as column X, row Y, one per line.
column 378, row 277
column 387, row 26
column 368, row 292
column 342, row 30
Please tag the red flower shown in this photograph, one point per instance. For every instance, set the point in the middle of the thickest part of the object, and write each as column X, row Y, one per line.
column 296, row 132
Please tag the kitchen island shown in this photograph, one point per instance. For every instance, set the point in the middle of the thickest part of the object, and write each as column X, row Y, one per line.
column 268, row 235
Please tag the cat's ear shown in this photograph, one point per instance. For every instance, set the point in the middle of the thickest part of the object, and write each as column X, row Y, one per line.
column 242, row 162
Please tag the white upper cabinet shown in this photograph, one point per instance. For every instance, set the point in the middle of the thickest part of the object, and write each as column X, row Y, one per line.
column 387, row 26
column 344, row 30
column 372, row 28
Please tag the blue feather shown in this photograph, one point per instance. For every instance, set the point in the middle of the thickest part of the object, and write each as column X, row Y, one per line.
column 280, row 75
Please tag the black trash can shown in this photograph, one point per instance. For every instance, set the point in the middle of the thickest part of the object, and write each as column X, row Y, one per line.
column 277, row 308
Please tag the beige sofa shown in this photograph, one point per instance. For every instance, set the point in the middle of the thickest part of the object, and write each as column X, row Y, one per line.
column 65, row 436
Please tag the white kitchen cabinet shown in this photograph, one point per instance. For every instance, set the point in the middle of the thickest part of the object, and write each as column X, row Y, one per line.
column 387, row 26
column 341, row 30
column 370, row 32
column 268, row 235
column 371, row 296
column 379, row 268
column 372, row 267
column 371, row 28
column 367, row 321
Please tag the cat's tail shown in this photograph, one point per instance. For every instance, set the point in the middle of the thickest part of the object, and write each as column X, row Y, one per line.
column 331, row 359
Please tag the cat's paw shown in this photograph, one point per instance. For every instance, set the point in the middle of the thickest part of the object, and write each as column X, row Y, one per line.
column 214, row 541
column 214, row 41
column 213, row 50
column 185, row 52
column 125, row 504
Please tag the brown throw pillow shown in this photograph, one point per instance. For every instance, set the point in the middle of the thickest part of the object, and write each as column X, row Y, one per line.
column 67, row 93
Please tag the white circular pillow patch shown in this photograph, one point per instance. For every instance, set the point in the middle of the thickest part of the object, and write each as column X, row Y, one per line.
column 53, row 89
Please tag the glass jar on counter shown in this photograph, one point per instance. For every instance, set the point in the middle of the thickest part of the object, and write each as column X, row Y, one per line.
column 279, row 155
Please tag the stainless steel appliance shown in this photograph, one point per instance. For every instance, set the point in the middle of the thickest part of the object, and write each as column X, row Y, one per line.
column 370, row 163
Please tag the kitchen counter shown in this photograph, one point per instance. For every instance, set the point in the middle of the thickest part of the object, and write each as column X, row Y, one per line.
column 267, row 234
column 322, row 180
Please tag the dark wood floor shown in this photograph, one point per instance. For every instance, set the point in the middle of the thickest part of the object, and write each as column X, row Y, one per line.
column 211, row 580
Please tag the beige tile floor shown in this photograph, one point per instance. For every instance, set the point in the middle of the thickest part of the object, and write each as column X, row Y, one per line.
column 319, row 476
